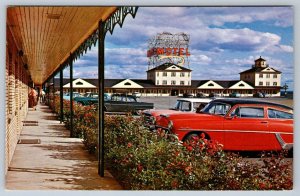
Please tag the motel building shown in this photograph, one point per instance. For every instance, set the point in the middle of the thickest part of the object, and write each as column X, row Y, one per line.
column 174, row 80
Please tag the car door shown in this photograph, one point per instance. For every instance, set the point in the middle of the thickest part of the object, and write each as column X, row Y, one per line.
column 281, row 127
column 246, row 128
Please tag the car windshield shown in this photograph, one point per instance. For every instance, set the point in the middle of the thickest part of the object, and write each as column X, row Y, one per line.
column 216, row 108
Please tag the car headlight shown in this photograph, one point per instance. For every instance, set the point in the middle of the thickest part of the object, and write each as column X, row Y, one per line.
column 170, row 125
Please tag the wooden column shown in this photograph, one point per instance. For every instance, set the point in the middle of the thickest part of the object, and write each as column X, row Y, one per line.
column 71, row 96
column 61, row 95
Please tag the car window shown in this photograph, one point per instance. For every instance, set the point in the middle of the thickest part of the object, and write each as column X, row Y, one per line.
column 130, row 99
column 279, row 114
column 251, row 112
column 186, row 106
column 235, row 112
column 216, row 108
column 177, row 105
column 116, row 98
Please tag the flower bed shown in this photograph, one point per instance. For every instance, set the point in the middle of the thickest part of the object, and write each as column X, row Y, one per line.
column 143, row 160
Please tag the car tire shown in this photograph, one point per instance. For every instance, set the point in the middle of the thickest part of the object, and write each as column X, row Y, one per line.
column 190, row 135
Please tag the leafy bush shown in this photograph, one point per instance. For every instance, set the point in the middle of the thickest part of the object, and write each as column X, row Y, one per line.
column 144, row 160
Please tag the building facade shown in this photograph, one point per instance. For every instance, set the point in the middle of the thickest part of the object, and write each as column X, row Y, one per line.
column 170, row 74
column 173, row 80
column 263, row 78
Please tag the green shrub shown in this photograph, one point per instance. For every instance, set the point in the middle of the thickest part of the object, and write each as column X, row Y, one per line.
column 144, row 160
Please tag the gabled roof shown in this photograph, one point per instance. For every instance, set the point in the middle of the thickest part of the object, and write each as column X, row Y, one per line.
column 197, row 83
column 167, row 65
column 226, row 83
column 258, row 69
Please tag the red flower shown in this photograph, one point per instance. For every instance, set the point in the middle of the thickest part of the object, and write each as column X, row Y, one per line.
column 129, row 145
column 189, row 148
column 202, row 135
column 174, row 184
column 195, row 138
column 139, row 168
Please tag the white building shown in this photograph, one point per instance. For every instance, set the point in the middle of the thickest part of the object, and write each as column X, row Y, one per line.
column 169, row 74
column 264, row 78
column 171, row 79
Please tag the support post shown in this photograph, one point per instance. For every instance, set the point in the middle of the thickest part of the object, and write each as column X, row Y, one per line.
column 61, row 95
column 101, row 38
column 71, row 96
column 53, row 94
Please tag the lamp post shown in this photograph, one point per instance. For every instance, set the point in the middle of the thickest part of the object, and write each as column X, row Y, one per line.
column 285, row 87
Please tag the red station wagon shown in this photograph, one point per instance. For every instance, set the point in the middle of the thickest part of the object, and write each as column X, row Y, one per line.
column 243, row 125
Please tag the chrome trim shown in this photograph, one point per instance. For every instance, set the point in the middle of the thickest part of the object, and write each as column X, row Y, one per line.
column 235, row 131
column 283, row 144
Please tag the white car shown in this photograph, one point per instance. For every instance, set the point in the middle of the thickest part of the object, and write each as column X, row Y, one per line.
column 182, row 105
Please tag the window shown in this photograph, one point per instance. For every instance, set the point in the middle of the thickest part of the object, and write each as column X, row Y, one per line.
column 181, row 74
column 241, row 85
column 157, row 82
column 173, row 74
column 165, row 74
column 157, row 74
column 261, row 83
column 268, row 75
column 216, row 108
column 210, row 84
column 274, row 75
column 79, row 83
column 164, row 82
column 267, row 83
column 173, row 82
column 127, row 84
column 261, row 75
column 181, row 82
column 251, row 112
column 274, row 83
column 130, row 99
column 279, row 114
column 186, row 106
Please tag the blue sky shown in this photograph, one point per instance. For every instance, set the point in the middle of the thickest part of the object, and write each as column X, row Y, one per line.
column 223, row 41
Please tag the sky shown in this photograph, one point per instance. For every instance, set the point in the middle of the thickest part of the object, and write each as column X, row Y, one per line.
column 224, row 41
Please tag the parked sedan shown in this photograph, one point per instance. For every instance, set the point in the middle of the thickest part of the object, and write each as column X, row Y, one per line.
column 182, row 105
column 117, row 103
column 126, row 103
column 242, row 125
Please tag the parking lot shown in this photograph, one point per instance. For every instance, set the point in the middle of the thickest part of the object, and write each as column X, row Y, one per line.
column 169, row 102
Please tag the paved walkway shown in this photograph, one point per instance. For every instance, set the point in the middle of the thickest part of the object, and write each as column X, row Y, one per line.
column 58, row 162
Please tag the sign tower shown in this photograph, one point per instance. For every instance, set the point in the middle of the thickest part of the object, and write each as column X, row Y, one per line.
column 168, row 48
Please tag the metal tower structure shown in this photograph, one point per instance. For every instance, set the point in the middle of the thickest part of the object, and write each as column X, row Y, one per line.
column 168, row 48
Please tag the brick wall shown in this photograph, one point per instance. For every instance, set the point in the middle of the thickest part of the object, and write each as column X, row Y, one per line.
column 16, row 97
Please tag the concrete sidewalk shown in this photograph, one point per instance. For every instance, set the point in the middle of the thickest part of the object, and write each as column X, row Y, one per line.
column 57, row 163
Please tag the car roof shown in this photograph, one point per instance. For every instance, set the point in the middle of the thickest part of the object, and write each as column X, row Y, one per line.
column 206, row 100
column 250, row 101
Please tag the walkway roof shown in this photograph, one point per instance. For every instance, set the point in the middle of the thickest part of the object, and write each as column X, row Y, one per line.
column 47, row 35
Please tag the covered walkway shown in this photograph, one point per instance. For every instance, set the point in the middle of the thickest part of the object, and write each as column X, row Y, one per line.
column 56, row 162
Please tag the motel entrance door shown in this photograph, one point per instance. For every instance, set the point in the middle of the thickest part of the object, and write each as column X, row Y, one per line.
column 174, row 92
